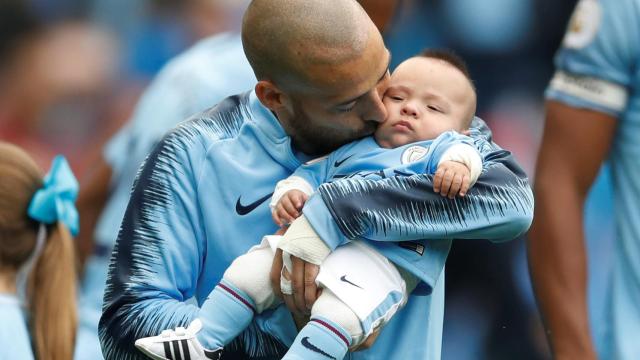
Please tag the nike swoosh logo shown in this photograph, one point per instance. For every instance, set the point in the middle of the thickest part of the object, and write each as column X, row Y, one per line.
column 245, row 209
column 338, row 163
column 344, row 278
column 305, row 342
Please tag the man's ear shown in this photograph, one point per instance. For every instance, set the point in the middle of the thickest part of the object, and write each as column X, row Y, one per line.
column 270, row 95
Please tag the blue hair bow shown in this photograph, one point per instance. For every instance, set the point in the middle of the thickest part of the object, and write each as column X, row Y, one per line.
column 55, row 201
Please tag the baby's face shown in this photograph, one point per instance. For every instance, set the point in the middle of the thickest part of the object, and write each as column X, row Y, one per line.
column 425, row 98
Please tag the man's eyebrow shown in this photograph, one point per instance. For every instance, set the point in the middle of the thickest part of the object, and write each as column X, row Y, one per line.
column 361, row 95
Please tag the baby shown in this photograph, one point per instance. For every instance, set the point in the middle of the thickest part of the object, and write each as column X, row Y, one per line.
column 430, row 101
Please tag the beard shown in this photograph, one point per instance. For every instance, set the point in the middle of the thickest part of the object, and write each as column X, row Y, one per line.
column 313, row 139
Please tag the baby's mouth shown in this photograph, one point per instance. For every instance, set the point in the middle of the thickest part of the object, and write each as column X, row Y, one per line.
column 403, row 125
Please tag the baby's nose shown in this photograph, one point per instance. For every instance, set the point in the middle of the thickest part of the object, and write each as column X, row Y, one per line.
column 409, row 111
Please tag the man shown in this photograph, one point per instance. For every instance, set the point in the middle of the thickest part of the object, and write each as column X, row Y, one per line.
column 200, row 198
column 592, row 115
column 203, row 75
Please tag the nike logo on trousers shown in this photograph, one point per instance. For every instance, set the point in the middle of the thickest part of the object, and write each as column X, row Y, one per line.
column 344, row 278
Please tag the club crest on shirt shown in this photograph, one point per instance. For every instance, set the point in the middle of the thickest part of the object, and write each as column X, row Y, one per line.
column 583, row 25
column 413, row 154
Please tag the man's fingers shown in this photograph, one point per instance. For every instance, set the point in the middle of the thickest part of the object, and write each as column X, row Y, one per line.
column 288, row 301
column 297, row 279
column 300, row 320
column 276, row 271
column 310, row 288
column 287, row 297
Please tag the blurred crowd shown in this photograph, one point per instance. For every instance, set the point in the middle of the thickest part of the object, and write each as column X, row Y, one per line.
column 71, row 72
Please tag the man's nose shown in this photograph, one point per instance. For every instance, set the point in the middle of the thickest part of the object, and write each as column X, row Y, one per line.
column 377, row 112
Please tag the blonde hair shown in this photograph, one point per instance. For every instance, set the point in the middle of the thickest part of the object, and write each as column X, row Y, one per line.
column 51, row 284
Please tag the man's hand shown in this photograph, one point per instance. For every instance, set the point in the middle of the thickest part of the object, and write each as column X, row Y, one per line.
column 452, row 178
column 304, row 291
column 289, row 207
column 303, row 281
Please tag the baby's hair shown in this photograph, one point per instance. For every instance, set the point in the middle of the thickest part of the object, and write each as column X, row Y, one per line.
column 451, row 58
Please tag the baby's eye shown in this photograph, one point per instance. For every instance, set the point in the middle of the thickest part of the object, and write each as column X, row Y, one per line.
column 431, row 107
column 396, row 98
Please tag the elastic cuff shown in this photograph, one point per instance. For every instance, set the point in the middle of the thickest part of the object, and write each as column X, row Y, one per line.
column 466, row 155
column 302, row 241
column 288, row 184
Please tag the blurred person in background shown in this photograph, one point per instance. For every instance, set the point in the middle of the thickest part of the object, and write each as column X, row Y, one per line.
column 593, row 114
column 154, row 31
column 37, row 259
column 54, row 81
column 490, row 310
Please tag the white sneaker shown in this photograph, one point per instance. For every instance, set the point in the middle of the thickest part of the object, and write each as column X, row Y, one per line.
column 178, row 344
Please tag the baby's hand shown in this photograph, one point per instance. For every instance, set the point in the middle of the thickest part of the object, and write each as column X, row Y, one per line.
column 289, row 207
column 451, row 178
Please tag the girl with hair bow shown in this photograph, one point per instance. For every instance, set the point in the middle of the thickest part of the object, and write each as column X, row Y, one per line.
column 37, row 259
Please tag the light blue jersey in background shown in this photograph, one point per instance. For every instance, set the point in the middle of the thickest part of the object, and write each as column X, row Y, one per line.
column 211, row 70
column 598, row 68
column 14, row 336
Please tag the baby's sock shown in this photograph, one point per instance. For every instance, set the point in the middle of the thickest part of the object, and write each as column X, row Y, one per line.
column 320, row 339
column 226, row 312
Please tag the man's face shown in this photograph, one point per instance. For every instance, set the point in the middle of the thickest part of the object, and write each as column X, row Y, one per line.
column 345, row 102
column 425, row 98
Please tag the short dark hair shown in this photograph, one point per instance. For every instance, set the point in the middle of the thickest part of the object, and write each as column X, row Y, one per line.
column 450, row 57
